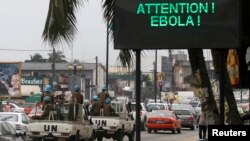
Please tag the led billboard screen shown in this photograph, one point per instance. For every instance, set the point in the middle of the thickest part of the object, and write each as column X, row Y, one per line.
column 176, row 24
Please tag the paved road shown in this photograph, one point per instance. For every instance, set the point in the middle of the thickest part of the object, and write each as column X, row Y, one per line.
column 186, row 135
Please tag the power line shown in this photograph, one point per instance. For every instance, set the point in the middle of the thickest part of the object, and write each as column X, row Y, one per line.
column 22, row 50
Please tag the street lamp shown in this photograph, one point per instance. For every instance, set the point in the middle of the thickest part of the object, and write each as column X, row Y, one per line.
column 75, row 67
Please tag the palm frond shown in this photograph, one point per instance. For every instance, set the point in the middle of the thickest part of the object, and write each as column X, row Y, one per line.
column 108, row 7
column 126, row 58
column 60, row 24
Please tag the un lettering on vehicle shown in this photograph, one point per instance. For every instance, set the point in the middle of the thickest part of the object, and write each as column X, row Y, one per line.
column 101, row 122
column 51, row 128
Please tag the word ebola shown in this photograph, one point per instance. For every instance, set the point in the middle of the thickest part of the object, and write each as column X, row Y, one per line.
column 175, row 14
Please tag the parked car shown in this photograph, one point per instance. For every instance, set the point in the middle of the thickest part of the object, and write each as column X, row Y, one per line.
column 187, row 117
column 143, row 114
column 14, row 107
column 19, row 121
column 163, row 120
column 8, row 133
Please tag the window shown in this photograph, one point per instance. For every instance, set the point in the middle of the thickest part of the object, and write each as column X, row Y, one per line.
column 24, row 119
column 8, row 117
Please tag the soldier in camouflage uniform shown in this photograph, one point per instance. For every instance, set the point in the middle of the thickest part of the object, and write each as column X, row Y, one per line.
column 107, row 107
column 47, row 92
column 103, row 95
column 95, row 106
column 77, row 94
column 47, row 107
column 73, row 109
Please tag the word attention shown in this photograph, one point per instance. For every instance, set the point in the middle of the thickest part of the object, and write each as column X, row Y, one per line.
column 175, row 14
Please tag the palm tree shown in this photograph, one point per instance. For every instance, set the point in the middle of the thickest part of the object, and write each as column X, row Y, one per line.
column 58, row 56
column 198, row 63
column 233, row 113
column 60, row 26
column 35, row 58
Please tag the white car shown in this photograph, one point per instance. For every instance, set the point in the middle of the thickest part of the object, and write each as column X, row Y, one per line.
column 19, row 121
column 157, row 106
column 14, row 107
column 143, row 114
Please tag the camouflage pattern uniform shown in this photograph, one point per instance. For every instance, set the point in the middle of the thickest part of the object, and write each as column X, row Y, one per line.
column 47, row 108
column 102, row 97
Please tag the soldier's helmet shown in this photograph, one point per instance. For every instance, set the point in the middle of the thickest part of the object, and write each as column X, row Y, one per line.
column 76, row 88
column 86, row 102
column 104, row 87
column 108, row 101
column 48, row 89
column 46, row 99
column 95, row 98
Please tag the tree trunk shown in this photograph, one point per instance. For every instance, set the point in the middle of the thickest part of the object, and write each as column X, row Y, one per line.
column 233, row 114
column 198, row 63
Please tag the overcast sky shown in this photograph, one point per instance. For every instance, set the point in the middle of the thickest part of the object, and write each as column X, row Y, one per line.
column 22, row 23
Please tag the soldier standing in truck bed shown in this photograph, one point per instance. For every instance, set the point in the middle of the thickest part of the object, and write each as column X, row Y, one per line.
column 103, row 95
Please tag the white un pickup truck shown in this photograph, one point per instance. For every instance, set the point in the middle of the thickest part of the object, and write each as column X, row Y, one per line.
column 58, row 130
column 117, row 125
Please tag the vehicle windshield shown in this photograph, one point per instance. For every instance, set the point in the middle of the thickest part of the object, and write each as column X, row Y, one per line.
column 7, row 129
column 194, row 104
column 155, row 107
column 161, row 114
column 182, row 112
column 19, row 105
column 8, row 117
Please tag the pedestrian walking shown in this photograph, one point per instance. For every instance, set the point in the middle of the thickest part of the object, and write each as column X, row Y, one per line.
column 202, row 126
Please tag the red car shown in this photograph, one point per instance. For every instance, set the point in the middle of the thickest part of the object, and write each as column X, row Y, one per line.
column 28, row 107
column 163, row 120
column 36, row 113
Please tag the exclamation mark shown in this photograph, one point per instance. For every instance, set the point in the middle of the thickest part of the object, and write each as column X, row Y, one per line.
column 213, row 8
column 198, row 20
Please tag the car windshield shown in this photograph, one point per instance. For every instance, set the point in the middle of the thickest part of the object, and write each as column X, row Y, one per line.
column 8, row 117
column 194, row 104
column 7, row 129
column 156, row 107
column 18, row 105
column 182, row 112
column 161, row 114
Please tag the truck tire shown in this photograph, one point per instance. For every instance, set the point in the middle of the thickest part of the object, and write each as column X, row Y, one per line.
column 92, row 138
column 131, row 136
column 37, row 139
column 143, row 125
column 99, row 138
column 74, row 137
column 119, row 135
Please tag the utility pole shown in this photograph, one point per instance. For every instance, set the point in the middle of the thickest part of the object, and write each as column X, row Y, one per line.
column 172, row 87
column 155, row 74
column 96, row 74
column 53, row 67
column 107, row 57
